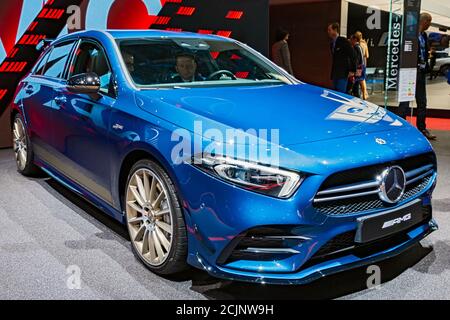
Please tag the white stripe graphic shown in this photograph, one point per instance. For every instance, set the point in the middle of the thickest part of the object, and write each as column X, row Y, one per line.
column 98, row 11
column 153, row 6
column 2, row 52
column 97, row 14
column 30, row 10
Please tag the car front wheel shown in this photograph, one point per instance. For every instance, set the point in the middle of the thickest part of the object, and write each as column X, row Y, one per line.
column 23, row 150
column 154, row 219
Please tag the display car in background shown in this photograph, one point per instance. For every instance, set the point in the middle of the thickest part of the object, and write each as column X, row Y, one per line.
column 442, row 62
column 105, row 114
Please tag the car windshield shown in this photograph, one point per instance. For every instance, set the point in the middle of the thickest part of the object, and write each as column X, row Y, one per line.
column 195, row 62
column 442, row 55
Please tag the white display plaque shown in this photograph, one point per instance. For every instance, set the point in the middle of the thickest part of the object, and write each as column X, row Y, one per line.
column 407, row 84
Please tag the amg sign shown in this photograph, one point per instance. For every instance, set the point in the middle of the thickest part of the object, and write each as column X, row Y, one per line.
column 400, row 220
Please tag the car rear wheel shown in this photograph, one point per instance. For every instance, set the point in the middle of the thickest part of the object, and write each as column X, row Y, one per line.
column 154, row 219
column 445, row 69
column 23, row 150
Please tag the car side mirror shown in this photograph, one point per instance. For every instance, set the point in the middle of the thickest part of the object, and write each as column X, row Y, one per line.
column 88, row 83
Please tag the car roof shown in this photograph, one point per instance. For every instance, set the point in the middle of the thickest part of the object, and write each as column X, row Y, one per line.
column 124, row 34
column 151, row 33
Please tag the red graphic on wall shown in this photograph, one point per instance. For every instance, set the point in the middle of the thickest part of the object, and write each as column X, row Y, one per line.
column 129, row 14
column 224, row 18
column 21, row 56
column 228, row 18
column 10, row 12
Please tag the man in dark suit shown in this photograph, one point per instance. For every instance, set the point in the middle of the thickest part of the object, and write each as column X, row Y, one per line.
column 186, row 66
column 344, row 59
column 421, row 82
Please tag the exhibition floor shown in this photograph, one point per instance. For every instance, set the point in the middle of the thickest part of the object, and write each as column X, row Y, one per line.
column 45, row 229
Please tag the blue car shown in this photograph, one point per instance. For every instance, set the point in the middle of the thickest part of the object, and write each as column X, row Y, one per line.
column 214, row 157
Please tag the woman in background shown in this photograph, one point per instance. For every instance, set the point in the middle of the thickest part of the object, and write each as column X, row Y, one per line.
column 365, row 49
column 280, row 51
column 360, row 74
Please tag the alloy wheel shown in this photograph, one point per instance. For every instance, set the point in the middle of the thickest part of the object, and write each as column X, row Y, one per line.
column 149, row 217
column 20, row 144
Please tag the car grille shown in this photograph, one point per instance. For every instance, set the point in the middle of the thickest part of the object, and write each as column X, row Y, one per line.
column 356, row 191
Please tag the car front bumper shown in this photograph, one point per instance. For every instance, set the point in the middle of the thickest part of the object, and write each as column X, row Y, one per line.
column 314, row 272
column 218, row 214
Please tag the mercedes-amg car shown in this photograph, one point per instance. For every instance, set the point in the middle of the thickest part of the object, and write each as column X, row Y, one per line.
column 214, row 157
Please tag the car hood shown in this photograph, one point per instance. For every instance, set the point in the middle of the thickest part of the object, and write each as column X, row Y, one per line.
column 300, row 113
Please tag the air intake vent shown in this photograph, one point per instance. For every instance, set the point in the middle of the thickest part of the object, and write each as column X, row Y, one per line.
column 263, row 244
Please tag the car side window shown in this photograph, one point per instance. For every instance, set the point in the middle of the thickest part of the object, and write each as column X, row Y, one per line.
column 41, row 64
column 57, row 61
column 91, row 58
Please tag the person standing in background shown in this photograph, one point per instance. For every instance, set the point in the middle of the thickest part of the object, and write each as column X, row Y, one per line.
column 280, row 51
column 360, row 69
column 365, row 47
column 432, row 63
column 344, row 59
column 421, row 82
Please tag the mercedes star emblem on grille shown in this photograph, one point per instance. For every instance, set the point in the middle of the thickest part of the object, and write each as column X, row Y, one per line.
column 392, row 184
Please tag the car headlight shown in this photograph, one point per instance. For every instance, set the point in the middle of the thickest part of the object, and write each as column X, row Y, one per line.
column 251, row 176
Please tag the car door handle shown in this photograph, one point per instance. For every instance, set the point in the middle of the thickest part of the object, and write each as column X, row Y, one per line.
column 60, row 100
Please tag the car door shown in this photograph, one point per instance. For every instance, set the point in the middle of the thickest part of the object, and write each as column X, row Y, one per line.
column 38, row 95
column 82, row 123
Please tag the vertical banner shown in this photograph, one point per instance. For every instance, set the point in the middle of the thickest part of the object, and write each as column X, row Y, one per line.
column 410, row 47
column 394, row 47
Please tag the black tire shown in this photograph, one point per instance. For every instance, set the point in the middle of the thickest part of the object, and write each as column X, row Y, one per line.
column 176, row 260
column 445, row 69
column 29, row 169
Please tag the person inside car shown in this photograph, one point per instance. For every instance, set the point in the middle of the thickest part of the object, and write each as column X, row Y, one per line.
column 131, row 66
column 186, row 67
